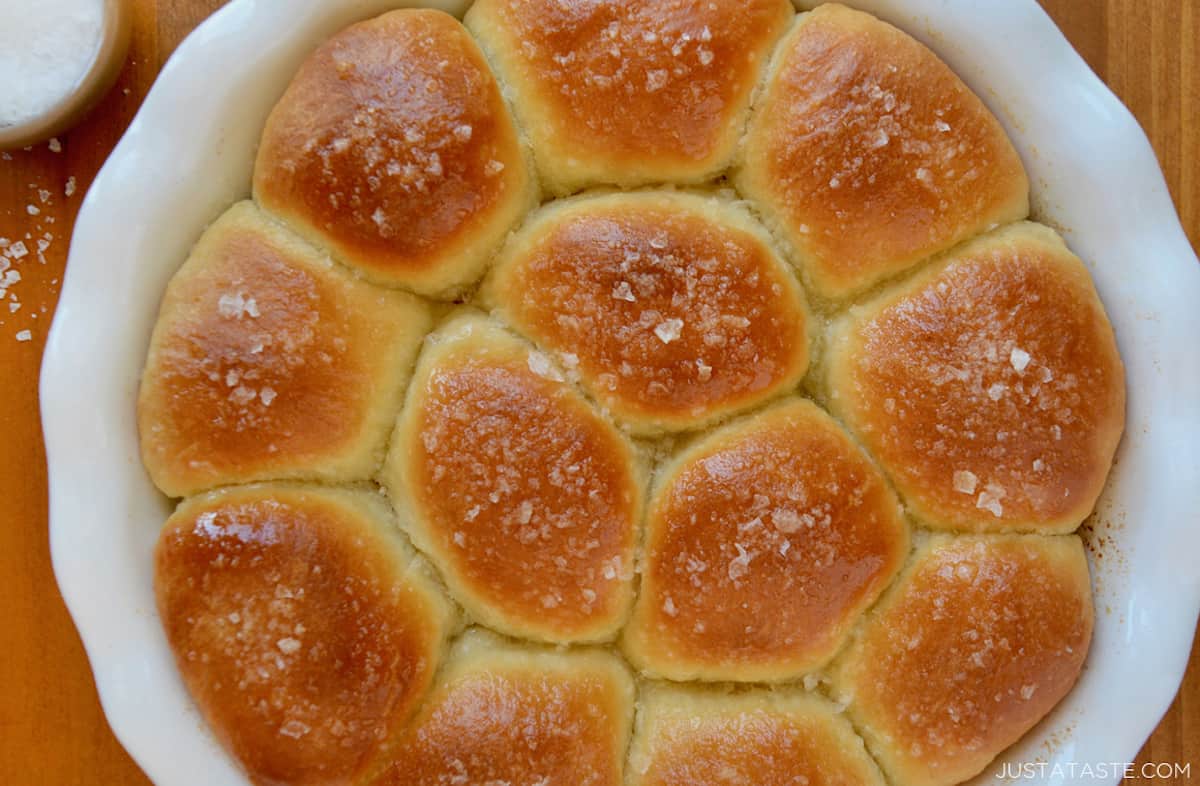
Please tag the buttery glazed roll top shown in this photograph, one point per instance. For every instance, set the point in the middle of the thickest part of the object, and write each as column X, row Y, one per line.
column 268, row 361
column 989, row 386
column 979, row 639
column 525, row 498
column 764, row 542
column 301, row 625
column 870, row 154
column 393, row 148
column 690, row 737
column 505, row 714
column 673, row 308
column 629, row 93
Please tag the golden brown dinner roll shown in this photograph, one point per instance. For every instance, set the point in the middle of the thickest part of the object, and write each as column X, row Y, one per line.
column 524, row 497
column 506, row 714
column 394, row 149
column 632, row 92
column 302, row 626
column 672, row 307
column 989, row 386
column 764, row 542
column 690, row 737
column 268, row 361
column 976, row 642
column 870, row 154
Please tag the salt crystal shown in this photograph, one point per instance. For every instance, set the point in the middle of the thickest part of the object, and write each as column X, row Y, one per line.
column 622, row 291
column 835, row 182
column 786, row 521
column 703, row 371
column 739, row 566
column 996, row 391
column 288, row 646
column 964, row 482
column 463, row 133
column 659, row 241
column 941, row 125
column 55, row 145
column 267, row 395
column 493, row 168
column 924, row 175
column 989, row 500
column 525, row 512
column 1027, row 691
column 460, row 540
column 668, row 330
column 705, row 34
column 32, row 210
column 540, row 364
column 294, row 729
column 669, row 607
column 231, row 305
column 70, row 188
column 656, row 80
column 1038, row 465
column 878, row 139
column 1019, row 359
column 25, row 335
column 14, row 307
column 705, row 55
column 243, row 395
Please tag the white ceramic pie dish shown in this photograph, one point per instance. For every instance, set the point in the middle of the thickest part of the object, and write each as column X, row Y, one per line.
column 188, row 155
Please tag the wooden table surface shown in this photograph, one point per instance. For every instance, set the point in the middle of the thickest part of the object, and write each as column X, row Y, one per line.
column 52, row 731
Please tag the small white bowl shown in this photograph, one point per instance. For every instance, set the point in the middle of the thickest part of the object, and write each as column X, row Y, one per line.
column 96, row 81
column 188, row 155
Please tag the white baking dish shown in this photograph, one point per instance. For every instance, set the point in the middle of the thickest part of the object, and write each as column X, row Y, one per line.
column 188, row 155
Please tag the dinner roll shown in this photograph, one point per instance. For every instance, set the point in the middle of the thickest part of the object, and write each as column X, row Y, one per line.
column 673, row 308
column 989, row 386
column 302, row 626
column 869, row 154
column 764, row 542
column 690, row 737
column 524, row 497
column 506, row 714
column 268, row 361
column 979, row 639
column 393, row 148
column 630, row 93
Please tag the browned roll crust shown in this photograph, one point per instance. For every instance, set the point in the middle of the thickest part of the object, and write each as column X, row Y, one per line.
column 504, row 714
column 989, row 387
column 524, row 497
column 393, row 148
column 870, row 154
column 268, row 361
column 302, row 627
column 689, row 737
column 672, row 307
column 980, row 638
column 633, row 92
column 764, row 542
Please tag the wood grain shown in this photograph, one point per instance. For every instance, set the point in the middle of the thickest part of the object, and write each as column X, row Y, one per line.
column 52, row 731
